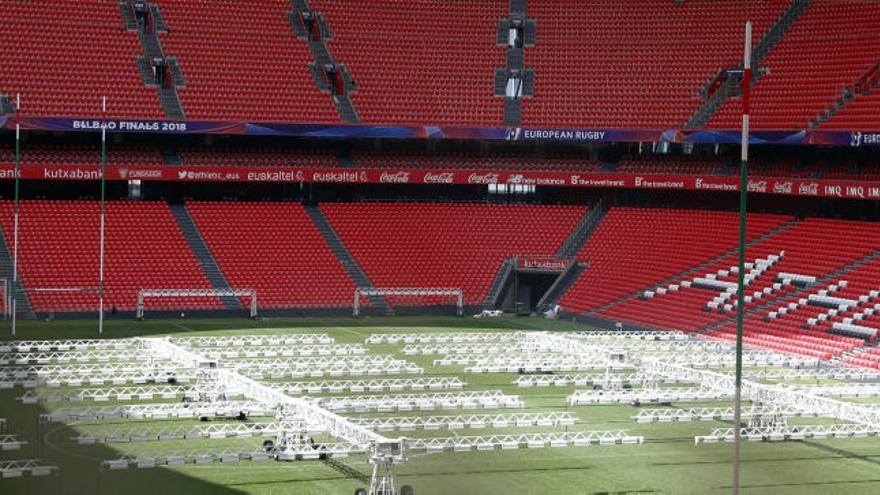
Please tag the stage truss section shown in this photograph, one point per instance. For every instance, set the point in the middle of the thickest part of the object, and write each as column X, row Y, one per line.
column 408, row 292
column 145, row 293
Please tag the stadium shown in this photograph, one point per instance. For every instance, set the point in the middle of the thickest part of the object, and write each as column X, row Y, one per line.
column 439, row 247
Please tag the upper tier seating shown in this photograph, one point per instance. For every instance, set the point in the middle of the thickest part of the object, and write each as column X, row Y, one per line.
column 275, row 249
column 671, row 164
column 241, row 61
column 859, row 114
column 80, row 155
column 267, row 157
column 474, row 161
column 634, row 248
column 633, row 64
column 828, row 49
column 420, row 61
column 447, row 245
column 144, row 249
column 63, row 59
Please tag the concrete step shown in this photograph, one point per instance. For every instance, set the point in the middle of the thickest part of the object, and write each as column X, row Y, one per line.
column 346, row 259
column 581, row 232
column 23, row 304
column 127, row 16
column 512, row 112
column 203, row 255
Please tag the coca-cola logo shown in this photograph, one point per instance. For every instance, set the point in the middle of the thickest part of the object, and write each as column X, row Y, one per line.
column 395, row 178
column 483, row 179
column 782, row 188
column 809, row 189
column 759, row 186
column 441, row 178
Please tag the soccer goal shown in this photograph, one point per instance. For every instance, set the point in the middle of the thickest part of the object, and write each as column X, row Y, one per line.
column 418, row 292
column 144, row 294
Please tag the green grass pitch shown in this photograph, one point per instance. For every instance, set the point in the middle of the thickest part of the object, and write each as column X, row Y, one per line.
column 668, row 461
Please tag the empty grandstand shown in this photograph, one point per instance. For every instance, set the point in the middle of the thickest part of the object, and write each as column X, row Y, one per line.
column 442, row 247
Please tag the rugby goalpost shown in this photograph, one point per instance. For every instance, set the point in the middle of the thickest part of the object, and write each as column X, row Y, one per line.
column 145, row 293
column 417, row 291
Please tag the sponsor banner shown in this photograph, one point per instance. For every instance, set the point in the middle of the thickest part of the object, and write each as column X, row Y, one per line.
column 352, row 131
column 128, row 126
column 793, row 187
column 543, row 263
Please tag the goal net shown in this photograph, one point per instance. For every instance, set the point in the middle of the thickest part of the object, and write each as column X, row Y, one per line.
column 190, row 293
column 418, row 296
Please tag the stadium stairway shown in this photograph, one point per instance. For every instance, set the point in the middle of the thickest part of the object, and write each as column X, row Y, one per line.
column 579, row 235
column 759, row 51
column 323, row 58
column 345, row 257
column 203, row 255
column 499, row 284
column 24, row 305
column 561, row 285
column 152, row 48
column 515, row 61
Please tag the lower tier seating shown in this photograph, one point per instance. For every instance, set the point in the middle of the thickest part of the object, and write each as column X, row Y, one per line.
column 780, row 311
column 59, row 248
column 635, row 247
column 447, row 245
column 275, row 249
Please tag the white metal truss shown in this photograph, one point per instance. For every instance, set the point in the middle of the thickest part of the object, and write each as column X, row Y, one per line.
column 229, row 456
column 254, row 340
column 416, row 291
column 10, row 442
column 522, row 364
column 525, row 440
column 18, row 468
column 439, row 338
column 97, row 378
column 198, row 431
column 315, row 416
column 631, row 335
column 317, row 368
column 121, row 394
column 286, row 350
column 176, row 410
column 841, row 390
column 490, row 399
column 318, row 362
column 790, row 432
column 145, row 293
column 60, row 357
column 790, row 374
column 371, row 385
column 68, row 345
column 781, row 397
column 584, row 380
column 706, row 414
column 81, row 369
column 514, row 356
column 469, row 421
column 468, row 348
column 638, row 396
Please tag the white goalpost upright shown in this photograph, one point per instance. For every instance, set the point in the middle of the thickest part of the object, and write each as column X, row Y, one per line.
column 145, row 293
column 416, row 291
